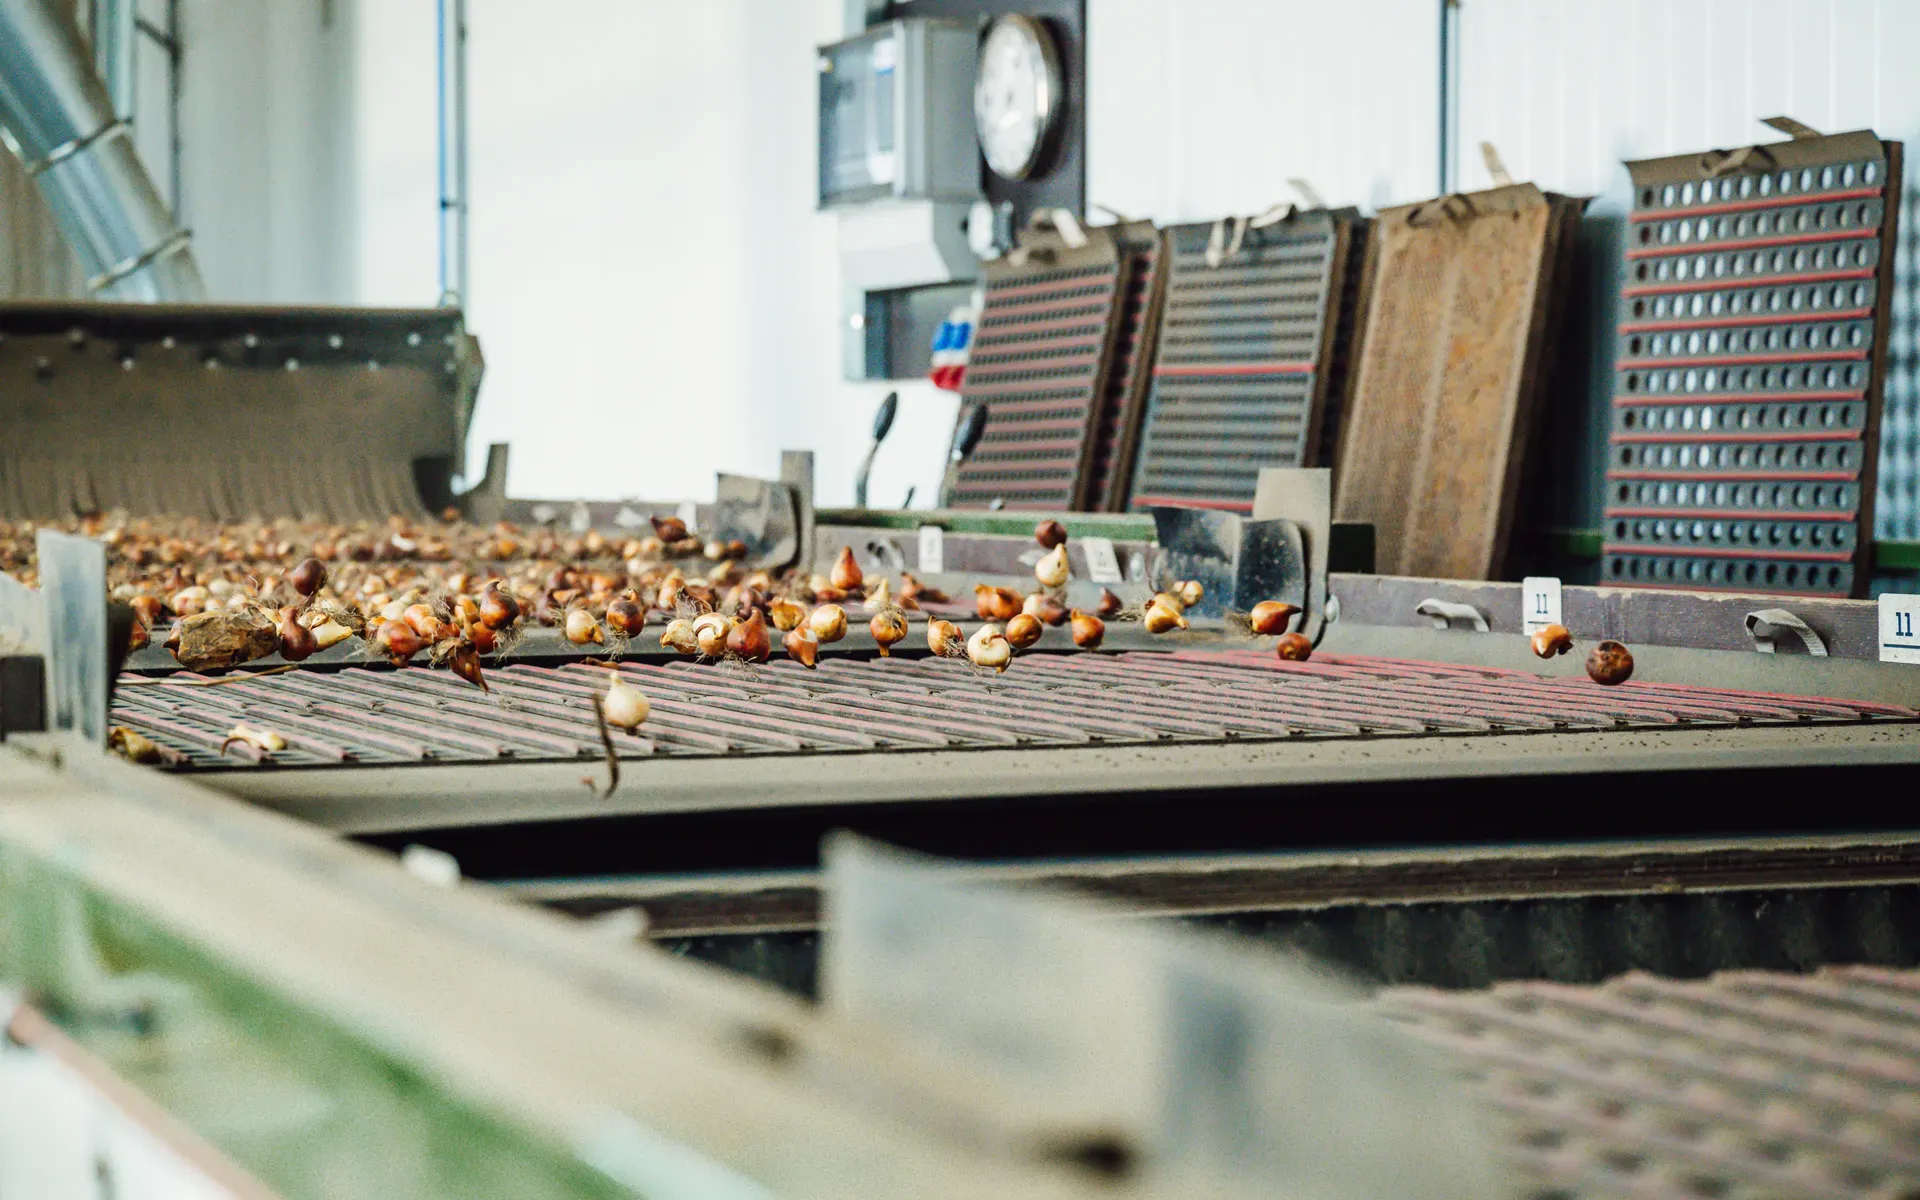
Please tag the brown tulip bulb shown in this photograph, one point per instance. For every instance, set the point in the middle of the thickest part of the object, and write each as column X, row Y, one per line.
column 1087, row 630
column 802, row 646
column 1024, row 630
column 1550, row 641
column 309, row 577
column 748, row 639
column 1294, row 647
column 888, row 628
column 846, row 573
column 1050, row 534
column 1610, row 664
column 1271, row 616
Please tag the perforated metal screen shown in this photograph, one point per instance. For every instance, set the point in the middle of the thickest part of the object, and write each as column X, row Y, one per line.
column 1747, row 395
column 1117, row 433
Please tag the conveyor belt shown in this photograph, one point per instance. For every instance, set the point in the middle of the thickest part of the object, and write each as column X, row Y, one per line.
column 1743, row 1085
column 367, row 715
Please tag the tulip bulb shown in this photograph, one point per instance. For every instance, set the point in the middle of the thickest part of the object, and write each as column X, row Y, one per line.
column 748, row 639
column 1163, row 618
column 1552, row 640
column 988, row 647
column 624, row 705
column 398, row 641
column 424, row 620
column 1294, row 647
column 582, row 629
column 786, row 615
column 878, row 596
column 1271, row 617
column 309, row 577
column 297, row 642
column 330, row 633
column 1050, row 534
column 802, row 646
column 711, row 630
column 498, row 609
column 828, row 622
column 1189, row 591
column 995, row 603
column 846, row 572
column 1052, row 570
column 1048, row 609
column 945, row 639
column 464, row 662
column 888, row 627
column 1610, row 664
column 1109, row 605
column 1024, row 630
column 1087, row 630
column 679, row 635
column 626, row 617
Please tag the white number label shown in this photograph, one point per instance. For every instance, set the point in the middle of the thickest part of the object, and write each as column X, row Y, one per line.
column 1103, row 565
column 933, row 550
column 1899, row 619
column 1540, row 598
column 688, row 510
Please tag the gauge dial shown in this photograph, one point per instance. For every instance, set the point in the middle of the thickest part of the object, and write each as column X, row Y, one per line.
column 1017, row 96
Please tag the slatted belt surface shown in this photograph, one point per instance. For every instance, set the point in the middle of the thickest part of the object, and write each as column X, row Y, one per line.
column 1240, row 378
column 1450, row 376
column 1039, row 364
column 1746, row 402
column 1117, row 432
column 1744, row 1085
column 413, row 715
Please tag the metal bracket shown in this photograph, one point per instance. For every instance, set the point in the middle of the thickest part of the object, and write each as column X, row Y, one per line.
column 1445, row 612
column 73, row 587
column 796, row 471
column 760, row 513
column 486, row 501
column 1764, row 628
column 1239, row 561
column 1304, row 496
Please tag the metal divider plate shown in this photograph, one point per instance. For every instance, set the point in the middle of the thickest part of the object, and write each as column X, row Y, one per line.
column 1143, row 251
column 1450, row 375
column 1747, row 395
column 1241, row 374
column 1040, row 360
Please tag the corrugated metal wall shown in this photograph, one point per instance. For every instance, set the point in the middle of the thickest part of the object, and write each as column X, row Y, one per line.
column 1567, row 89
column 1205, row 108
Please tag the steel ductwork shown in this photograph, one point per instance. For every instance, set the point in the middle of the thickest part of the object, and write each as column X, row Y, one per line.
column 56, row 116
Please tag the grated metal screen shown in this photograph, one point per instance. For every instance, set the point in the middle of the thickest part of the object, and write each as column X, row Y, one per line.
column 1248, row 333
column 1747, row 398
column 1747, row 1084
column 1039, row 365
column 373, row 715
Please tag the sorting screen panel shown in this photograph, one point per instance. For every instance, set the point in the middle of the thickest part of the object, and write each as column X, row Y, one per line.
column 1041, row 353
column 1247, row 334
column 1117, row 432
column 1463, row 301
column 1747, row 397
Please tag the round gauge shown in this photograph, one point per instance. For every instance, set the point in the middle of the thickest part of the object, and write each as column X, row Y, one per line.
column 1017, row 96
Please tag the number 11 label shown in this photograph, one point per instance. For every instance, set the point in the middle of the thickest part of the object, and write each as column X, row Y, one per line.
column 1540, row 602
column 1899, row 617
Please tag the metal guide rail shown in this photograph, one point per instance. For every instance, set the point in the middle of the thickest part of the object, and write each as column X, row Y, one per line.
column 1039, row 364
column 372, row 716
column 1747, row 396
column 1743, row 1085
column 1247, row 334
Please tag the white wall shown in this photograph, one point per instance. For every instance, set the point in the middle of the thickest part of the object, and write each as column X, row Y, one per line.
column 1204, row 108
column 266, row 164
column 655, row 294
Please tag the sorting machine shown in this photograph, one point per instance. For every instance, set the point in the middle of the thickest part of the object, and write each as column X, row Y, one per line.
column 1423, row 800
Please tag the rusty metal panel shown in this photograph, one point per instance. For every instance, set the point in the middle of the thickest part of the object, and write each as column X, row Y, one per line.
column 1457, row 337
column 1042, row 350
column 376, row 716
column 228, row 412
column 1247, row 335
column 1143, row 251
column 1747, row 1084
column 1747, row 396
